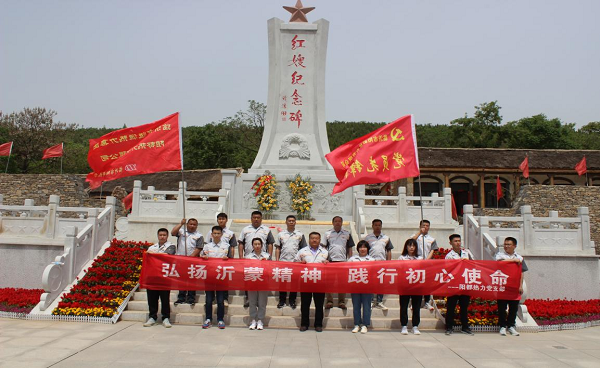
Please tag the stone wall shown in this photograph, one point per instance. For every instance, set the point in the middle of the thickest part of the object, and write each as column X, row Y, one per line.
column 562, row 198
column 71, row 188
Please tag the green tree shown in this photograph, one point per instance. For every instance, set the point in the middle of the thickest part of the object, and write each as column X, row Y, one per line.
column 480, row 131
column 32, row 130
column 539, row 132
column 588, row 136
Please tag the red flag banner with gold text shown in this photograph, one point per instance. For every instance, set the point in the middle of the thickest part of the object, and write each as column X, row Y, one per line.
column 484, row 279
column 382, row 156
column 139, row 150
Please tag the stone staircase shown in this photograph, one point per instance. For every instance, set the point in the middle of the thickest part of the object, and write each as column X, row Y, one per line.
column 237, row 316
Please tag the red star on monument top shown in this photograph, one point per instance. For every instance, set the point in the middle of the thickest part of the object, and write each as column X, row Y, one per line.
column 298, row 12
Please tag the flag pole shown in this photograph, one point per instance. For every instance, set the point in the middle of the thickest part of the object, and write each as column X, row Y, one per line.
column 183, row 185
column 62, row 153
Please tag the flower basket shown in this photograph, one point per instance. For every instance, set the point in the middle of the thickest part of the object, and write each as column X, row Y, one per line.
column 300, row 189
column 267, row 194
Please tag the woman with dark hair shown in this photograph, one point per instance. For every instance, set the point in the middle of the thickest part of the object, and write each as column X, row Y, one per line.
column 361, row 301
column 257, row 299
column 410, row 253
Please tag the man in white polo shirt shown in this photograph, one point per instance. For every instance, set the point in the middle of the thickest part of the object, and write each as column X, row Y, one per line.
column 381, row 250
column 427, row 245
column 339, row 244
column 189, row 244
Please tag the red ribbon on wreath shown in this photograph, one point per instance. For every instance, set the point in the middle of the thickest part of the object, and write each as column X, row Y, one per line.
column 266, row 179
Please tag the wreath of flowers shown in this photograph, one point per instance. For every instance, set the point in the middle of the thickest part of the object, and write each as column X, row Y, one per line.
column 106, row 283
column 300, row 189
column 267, row 193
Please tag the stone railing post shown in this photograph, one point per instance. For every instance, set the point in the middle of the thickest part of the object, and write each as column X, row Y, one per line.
column 359, row 204
column 1, row 199
column 528, row 230
column 181, row 205
column 51, row 220
column 448, row 206
column 93, row 220
column 112, row 203
column 70, row 245
column 135, row 204
column 401, row 207
column 467, row 215
column 228, row 182
column 484, row 228
column 584, row 215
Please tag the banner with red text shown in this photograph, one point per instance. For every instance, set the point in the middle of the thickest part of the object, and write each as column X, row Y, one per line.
column 483, row 279
column 139, row 150
column 382, row 156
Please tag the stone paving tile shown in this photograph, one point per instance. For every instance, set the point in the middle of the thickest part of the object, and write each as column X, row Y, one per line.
column 406, row 362
column 245, row 361
column 516, row 352
column 542, row 363
column 294, row 361
column 436, row 362
column 582, row 362
column 346, row 362
column 494, row 363
column 473, row 353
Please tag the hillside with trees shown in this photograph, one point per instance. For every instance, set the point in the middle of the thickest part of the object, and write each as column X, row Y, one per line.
column 234, row 141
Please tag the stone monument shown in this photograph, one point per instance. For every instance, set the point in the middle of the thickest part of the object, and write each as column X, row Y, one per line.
column 295, row 136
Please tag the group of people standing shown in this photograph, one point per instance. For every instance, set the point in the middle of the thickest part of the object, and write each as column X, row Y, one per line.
column 257, row 242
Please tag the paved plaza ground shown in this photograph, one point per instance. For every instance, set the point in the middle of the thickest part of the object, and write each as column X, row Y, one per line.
column 128, row 344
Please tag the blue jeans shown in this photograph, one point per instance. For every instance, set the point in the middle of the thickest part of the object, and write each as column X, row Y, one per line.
column 361, row 301
column 210, row 295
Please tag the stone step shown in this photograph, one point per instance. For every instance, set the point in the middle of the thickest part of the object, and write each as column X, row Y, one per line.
column 390, row 301
column 378, row 323
column 272, row 310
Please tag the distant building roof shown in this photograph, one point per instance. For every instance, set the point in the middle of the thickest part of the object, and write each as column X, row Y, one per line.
column 507, row 159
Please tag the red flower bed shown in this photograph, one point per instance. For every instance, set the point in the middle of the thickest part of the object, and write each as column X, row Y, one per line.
column 18, row 300
column 560, row 311
column 107, row 282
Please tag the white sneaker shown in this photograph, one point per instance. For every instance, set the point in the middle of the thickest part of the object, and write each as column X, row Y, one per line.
column 364, row 330
column 404, row 330
column 503, row 331
column 513, row 331
column 382, row 307
column 416, row 331
column 259, row 325
column 150, row 322
column 253, row 325
column 166, row 323
column 356, row 329
column 429, row 306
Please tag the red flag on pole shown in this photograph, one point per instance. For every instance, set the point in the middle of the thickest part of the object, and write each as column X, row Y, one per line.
column 454, row 211
column 499, row 191
column 54, row 151
column 128, row 201
column 384, row 155
column 524, row 167
column 144, row 149
column 6, row 149
column 581, row 167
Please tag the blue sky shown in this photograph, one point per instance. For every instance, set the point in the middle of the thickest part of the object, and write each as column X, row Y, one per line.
column 109, row 63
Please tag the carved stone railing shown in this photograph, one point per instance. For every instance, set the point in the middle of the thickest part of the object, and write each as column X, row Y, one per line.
column 547, row 236
column 152, row 203
column 402, row 209
column 49, row 221
column 79, row 248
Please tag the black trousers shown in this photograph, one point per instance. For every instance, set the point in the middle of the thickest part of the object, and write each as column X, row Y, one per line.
column 463, row 301
column 283, row 295
column 513, row 307
column 416, row 309
column 208, row 308
column 306, row 299
column 165, row 304
column 187, row 296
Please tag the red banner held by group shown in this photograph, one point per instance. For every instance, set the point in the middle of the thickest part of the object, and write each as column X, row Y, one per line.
column 382, row 156
column 139, row 150
column 483, row 279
